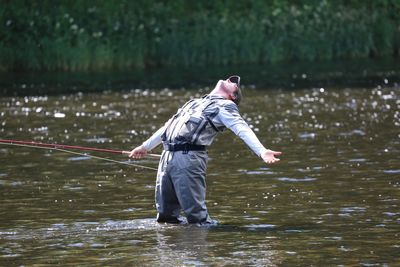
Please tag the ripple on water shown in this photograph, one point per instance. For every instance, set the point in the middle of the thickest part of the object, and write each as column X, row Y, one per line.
column 296, row 180
column 260, row 226
column 352, row 133
column 29, row 165
column 348, row 211
column 131, row 209
column 78, row 158
column 59, row 115
column 97, row 245
column 333, row 237
column 88, row 211
column 392, row 171
column 391, row 214
column 97, row 140
column 259, row 171
column 140, row 224
column 294, row 231
column 248, row 218
column 73, row 187
column 353, row 209
column 357, row 160
column 77, row 245
column 307, row 135
column 11, row 183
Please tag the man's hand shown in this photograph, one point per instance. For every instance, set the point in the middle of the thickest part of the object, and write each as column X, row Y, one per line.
column 268, row 156
column 138, row 152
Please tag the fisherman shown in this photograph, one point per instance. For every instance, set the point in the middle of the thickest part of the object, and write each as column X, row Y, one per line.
column 185, row 137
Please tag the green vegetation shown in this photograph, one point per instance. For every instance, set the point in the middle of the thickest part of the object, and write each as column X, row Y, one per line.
column 84, row 35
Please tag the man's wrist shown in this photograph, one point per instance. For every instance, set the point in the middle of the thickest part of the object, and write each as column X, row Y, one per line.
column 262, row 152
column 143, row 146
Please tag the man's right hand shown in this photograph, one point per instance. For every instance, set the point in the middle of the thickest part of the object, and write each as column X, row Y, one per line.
column 138, row 152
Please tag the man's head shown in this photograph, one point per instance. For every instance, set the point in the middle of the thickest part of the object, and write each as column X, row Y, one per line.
column 229, row 88
column 237, row 94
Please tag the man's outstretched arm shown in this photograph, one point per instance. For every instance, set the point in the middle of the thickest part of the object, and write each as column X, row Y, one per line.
column 230, row 117
column 148, row 145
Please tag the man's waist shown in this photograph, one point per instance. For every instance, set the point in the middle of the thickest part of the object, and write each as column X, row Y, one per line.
column 183, row 147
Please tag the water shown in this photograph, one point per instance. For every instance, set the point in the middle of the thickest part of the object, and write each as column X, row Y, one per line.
column 334, row 199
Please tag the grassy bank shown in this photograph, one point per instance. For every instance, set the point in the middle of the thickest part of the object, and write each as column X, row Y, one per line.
column 84, row 35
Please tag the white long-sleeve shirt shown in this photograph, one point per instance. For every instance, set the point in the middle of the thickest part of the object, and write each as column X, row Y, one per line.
column 229, row 117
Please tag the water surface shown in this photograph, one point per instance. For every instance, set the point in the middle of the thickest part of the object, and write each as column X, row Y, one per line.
column 334, row 199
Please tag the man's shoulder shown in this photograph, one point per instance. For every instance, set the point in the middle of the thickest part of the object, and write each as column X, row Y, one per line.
column 228, row 105
column 224, row 102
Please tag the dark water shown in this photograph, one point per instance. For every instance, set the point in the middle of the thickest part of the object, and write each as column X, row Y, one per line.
column 334, row 199
column 356, row 73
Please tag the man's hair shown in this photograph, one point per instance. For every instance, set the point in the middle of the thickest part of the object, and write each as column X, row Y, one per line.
column 238, row 96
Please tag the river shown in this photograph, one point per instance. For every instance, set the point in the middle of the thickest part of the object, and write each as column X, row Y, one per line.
column 333, row 199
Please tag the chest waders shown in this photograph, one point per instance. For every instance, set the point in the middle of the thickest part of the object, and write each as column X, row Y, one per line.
column 181, row 181
column 189, row 124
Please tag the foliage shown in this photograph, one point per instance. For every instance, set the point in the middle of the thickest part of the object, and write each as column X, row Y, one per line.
column 84, row 35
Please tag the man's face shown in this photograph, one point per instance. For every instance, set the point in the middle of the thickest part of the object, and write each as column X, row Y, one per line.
column 232, row 89
column 229, row 86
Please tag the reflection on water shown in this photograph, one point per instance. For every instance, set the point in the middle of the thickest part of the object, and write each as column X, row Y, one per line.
column 333, row 199
column 145, row 242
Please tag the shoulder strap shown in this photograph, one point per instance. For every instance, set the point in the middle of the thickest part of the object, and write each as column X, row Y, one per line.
column 172, row 123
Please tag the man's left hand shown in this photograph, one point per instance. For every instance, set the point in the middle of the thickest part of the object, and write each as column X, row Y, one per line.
column 269, row 156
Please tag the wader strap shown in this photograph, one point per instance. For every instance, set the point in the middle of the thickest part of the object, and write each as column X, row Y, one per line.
column 209, row 119
column 203, row 124
column 164, row 136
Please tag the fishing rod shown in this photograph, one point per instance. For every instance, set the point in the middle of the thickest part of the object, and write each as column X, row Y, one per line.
column 32, row 144
column 65, row 147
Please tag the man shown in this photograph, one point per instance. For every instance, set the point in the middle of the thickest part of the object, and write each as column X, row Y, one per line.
column 182, row 169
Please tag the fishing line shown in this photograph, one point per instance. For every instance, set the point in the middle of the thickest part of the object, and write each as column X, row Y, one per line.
column 69, row 147
column 84, row 154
